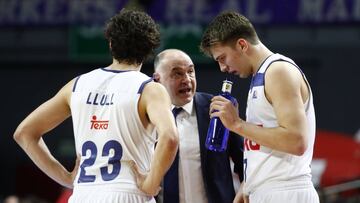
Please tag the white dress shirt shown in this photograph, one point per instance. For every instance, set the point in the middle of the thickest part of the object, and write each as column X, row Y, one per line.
column 191, row 183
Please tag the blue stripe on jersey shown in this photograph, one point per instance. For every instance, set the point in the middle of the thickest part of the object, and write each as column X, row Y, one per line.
column 75, row 83
column 257, row 80
column 143, row 85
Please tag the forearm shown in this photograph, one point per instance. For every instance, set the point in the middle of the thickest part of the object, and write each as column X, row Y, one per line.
column 164, row 156
column 41, row 156
column 278, row 138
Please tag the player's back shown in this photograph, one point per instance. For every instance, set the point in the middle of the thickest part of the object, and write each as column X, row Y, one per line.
column 108, row 130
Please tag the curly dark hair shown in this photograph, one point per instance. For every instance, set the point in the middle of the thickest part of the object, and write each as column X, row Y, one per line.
column 133, row 36
column 225, row 28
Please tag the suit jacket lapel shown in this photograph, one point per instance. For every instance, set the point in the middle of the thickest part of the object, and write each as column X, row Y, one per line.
column 202, row 113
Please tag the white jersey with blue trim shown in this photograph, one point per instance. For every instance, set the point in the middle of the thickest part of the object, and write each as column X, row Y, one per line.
column 107, row 128
column 264, row 167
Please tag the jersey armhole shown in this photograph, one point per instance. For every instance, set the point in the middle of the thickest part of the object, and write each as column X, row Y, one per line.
column 307, row 102
column 142, row 86
column 75, row 83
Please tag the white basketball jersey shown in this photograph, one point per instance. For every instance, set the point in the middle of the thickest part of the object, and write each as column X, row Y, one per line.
column 107, row 128
column 262, row 165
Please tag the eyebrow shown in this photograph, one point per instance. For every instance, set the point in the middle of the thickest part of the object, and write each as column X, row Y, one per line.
column 179, row 67
column 175, row 68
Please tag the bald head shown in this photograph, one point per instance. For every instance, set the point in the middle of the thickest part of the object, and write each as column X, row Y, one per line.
column 170, row 55
column 175, row 70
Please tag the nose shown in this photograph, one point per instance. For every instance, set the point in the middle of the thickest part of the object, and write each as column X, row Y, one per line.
column 187, row 78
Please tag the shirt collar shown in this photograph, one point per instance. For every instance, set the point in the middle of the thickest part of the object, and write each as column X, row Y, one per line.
column 188, row 108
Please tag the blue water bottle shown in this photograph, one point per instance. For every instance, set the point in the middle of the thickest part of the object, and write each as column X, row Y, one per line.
column 217, row 134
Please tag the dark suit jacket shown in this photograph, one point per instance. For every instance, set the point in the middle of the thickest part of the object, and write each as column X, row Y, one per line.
column 215, row 166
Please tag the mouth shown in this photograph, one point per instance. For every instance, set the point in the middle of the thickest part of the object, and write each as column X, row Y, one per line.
column 185, row 90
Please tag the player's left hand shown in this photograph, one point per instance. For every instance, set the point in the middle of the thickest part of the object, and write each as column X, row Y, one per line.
column 225, row 110
column 142, row 180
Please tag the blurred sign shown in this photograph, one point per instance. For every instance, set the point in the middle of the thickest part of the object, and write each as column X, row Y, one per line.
column 259, row 11
column 55, row 12
column 182, row 21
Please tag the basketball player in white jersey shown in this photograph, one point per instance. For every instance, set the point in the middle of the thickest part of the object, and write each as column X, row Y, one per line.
column 279, row 130
column 114, row 111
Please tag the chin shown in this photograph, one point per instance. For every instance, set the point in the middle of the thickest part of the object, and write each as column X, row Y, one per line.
column 183, row 101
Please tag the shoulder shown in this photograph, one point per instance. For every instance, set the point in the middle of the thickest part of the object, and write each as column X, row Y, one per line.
column 83, row 79
column 93, row 73
column 283, row 82
column 154, row 90
column 154, row 95
column 283, row 72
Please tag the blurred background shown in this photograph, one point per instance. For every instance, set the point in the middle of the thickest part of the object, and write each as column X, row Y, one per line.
column 46, row 43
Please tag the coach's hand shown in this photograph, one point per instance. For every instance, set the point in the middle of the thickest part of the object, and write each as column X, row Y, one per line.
column 143, row 181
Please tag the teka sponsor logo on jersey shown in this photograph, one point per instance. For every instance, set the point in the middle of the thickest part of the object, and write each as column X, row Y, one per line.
column 98, row 124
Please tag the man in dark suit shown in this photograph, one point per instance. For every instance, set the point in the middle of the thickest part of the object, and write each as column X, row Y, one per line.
column 197, row 174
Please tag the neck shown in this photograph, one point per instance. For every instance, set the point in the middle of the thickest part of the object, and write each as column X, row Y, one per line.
column 124, row 66
column 261, row 53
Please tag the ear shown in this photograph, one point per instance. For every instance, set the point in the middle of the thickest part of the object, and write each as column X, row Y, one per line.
column 156, row 77
column 242, row 44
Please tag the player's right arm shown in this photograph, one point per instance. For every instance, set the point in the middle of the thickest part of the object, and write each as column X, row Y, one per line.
column 156, row 104
column 287, row 91
column 43, row 119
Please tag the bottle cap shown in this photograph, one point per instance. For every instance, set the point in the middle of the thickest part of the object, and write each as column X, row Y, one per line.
column 227, row 85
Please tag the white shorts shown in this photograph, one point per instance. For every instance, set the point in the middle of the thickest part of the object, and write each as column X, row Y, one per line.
column 108, row 194
column 298, row 194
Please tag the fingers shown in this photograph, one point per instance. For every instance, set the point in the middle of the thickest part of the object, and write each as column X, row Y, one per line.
column 246, row 199
column 218, row 98
column 77, row 162
column 215, row 114
column 141, row 182
column 239, row 197
column 218, row 105
column 135, row 168
column 73, row 173
column 140, row 177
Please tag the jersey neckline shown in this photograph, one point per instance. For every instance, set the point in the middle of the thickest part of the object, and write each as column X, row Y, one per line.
column 115, row 71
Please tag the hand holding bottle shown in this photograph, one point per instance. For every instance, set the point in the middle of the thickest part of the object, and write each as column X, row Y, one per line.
column 226, row 110
column 218, row 134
